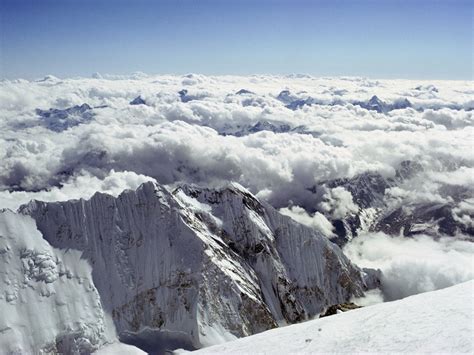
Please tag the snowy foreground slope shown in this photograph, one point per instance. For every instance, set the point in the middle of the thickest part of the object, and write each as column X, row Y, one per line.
column 194, row 267
column 434, row 322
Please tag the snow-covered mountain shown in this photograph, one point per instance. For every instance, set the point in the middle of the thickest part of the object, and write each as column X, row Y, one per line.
column 59, row 120
column 376, row 211
column 295, row 102
column 375, row 104
column 196, row 266
column 48, row 301
column 434, row 322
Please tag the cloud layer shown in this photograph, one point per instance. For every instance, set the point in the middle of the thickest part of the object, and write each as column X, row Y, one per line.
column 292, row 141
column 215, row 131
column 413, row 265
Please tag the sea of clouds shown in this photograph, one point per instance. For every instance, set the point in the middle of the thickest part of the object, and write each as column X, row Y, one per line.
column 201, row 129
column 413, row 265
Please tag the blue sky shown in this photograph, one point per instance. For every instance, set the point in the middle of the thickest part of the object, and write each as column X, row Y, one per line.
column 380, row 39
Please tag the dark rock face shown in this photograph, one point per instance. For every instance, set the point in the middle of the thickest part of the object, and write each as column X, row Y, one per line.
column 402, row 104
column 291, row 101
column 244, row 92
column 267, row 126
column 428, row 88
column 343, row 307
column 427, row 218
column 375, row 104
column 285, row 97
column 294, row 102
column 260, row 126
column 138, row 101
column 368, row 192
column 184, row 96
column 345, row 229
column 367, row 189
column 59, row 120
column 408, row 169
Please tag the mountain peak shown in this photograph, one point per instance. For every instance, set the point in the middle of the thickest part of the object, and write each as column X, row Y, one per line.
column 375, row 100
column 200, row 246
column 138, row 101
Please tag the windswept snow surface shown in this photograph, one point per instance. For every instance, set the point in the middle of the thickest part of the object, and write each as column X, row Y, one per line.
column 433, row 322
